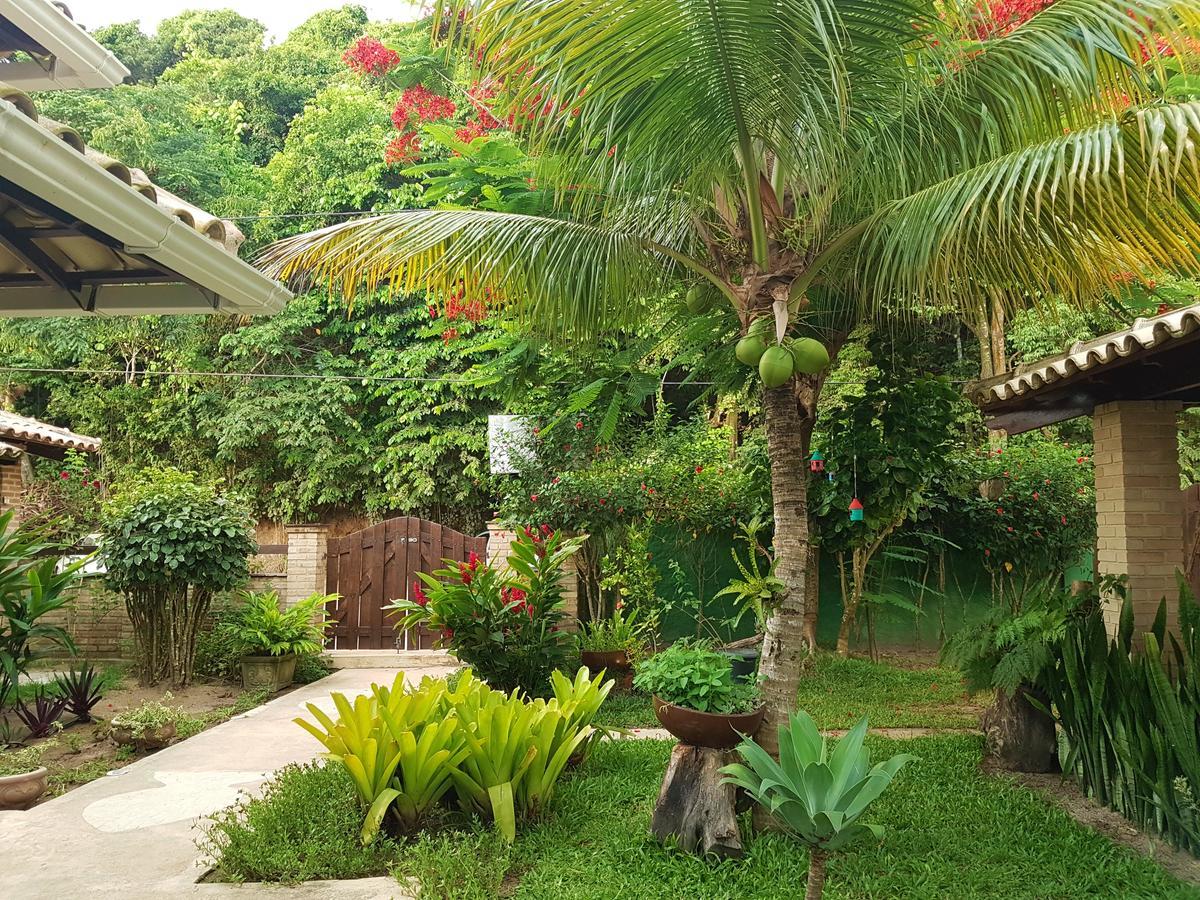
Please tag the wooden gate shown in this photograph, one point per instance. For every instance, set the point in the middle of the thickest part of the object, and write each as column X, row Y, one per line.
column 374, row 567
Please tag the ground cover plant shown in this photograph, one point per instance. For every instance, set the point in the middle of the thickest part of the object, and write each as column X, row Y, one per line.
column 952, row 832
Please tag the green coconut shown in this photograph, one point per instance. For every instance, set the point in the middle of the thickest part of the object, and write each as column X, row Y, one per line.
column 699, row 299
column 809, row 356
column 775, row 367
column 749, row 350
column 762, row 328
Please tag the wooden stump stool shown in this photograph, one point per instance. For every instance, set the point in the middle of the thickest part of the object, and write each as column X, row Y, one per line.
column 694, row 811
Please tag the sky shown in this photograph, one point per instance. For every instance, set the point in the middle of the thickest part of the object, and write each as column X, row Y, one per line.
column 280, row 16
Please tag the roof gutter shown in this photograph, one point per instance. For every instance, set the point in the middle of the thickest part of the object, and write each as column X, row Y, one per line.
column 44, row 165
column 89, row 65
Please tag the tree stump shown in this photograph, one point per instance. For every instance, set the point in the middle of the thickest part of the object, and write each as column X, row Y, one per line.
column 1020, row 735
column 694, row 811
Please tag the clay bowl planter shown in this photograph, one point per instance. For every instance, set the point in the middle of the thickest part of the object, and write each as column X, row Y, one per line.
column 155, row 739
column 269, row 673
column 615, row 662
column 701, row 729
column 22, row 791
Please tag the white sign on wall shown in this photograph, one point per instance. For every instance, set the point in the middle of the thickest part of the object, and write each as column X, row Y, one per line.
column 510, row 443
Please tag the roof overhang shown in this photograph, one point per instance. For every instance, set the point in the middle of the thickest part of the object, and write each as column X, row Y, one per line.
column 54, row 52
column 1156, row 358
column 86, row 240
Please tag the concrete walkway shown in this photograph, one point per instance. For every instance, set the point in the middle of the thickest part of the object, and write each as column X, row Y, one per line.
column 132, row 833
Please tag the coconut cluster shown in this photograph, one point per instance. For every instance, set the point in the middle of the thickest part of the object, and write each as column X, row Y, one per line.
column 777, row 362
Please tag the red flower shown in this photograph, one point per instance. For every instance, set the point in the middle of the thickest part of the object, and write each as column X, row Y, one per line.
column 402, row 149
column 699, row 469
column 473, row 560
column 1035, row 495
column 987, row 552
column 433, row 311
column 1010, row 528
column 447, row 634
column 367, row 56
column 419, row 595
column 999, row 510
column 578, row 426
column 464, row 573
column 64, row 474
column 555, row 480
column 533, row 498
column 1064, row 520
column 423, row 105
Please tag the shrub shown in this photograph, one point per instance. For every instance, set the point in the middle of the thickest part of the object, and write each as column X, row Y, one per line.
column 149, row 716
column 694, row 676
column 27, row 759
column 218, row 653
column 620, row 631
column 304, row 827
column 261, row 628
column 309, row 668
column 170, row 543
column 506, row 624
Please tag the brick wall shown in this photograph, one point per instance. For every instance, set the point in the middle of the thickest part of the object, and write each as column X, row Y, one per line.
column 306, row 561
column 1139, row 507
column 11, row 485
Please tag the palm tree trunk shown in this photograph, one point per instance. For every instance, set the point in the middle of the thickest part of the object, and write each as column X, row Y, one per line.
column 816, row 874
column 789, row 427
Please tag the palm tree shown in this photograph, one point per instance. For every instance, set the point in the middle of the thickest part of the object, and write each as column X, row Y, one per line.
column 807, row 159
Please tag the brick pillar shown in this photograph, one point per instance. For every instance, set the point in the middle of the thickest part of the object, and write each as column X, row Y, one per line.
column 11, row 485
column 306, row 560
column 499, row 547
column 1139, row 505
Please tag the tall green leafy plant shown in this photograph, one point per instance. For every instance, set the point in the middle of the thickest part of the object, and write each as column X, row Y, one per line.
column 1129, row 708
column 171, row 541
column 261, row 628
column 817, row 796
column 33, row 585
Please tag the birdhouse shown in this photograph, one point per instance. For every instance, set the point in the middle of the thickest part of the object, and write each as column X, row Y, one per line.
column 817, row 462
column 856, row 510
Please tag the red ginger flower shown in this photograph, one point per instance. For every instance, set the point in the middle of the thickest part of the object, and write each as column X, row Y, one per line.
column 465, row 573
column 473, row 561
column 418, row 594
column 367, row 56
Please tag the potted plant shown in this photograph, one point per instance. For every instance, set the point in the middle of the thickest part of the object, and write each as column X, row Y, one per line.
column 270, row 639
column 696, row 697
column 22, row 777
column 753, row 592
column 150, row 726
column 614, row 644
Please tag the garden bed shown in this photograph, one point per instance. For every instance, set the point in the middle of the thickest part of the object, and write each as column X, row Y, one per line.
column 84, row 752
column 953, row 831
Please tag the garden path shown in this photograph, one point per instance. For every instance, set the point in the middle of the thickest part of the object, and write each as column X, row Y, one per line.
column 132, row 833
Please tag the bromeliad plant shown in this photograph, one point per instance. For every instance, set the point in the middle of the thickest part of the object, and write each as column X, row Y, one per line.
column 406, row 748
column 622, row 631
column 817, row 796
column 81, row 688
column 507, row 624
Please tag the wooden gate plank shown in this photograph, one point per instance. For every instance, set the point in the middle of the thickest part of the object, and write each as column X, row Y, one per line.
column 336, row 609
column 371, row 629
column 395, row 558
column 353, row 583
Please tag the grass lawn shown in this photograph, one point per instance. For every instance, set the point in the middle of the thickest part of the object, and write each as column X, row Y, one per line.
column 952, row 832
column 836, row 692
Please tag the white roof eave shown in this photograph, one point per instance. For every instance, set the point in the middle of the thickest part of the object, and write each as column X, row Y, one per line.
column 42, row 164
column 79, row 61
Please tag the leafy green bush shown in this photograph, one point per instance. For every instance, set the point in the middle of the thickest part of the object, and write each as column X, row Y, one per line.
column 304, row 827
column 149, row 716
column 309, row 668
column 620, row 631
column 508, row 626
column 261, row 628
column 170, row 543
column 694, row 676
column 218, row 654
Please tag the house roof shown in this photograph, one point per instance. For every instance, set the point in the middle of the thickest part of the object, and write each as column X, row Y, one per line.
column 16, row 430
column 82, row 233
column 1154, row 359
column 42, row 48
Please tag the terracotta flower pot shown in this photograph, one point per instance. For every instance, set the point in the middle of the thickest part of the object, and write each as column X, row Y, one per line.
column 615, row 662
column 702, row 729
column 22, row 791
column 149, row 740
column 270, row 673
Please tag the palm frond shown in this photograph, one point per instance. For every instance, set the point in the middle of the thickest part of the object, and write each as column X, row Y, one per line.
column 1070, row 215
column 572, row 279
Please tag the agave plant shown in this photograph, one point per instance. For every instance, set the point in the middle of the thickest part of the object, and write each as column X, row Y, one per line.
column 82, row 688
column 817, row 796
